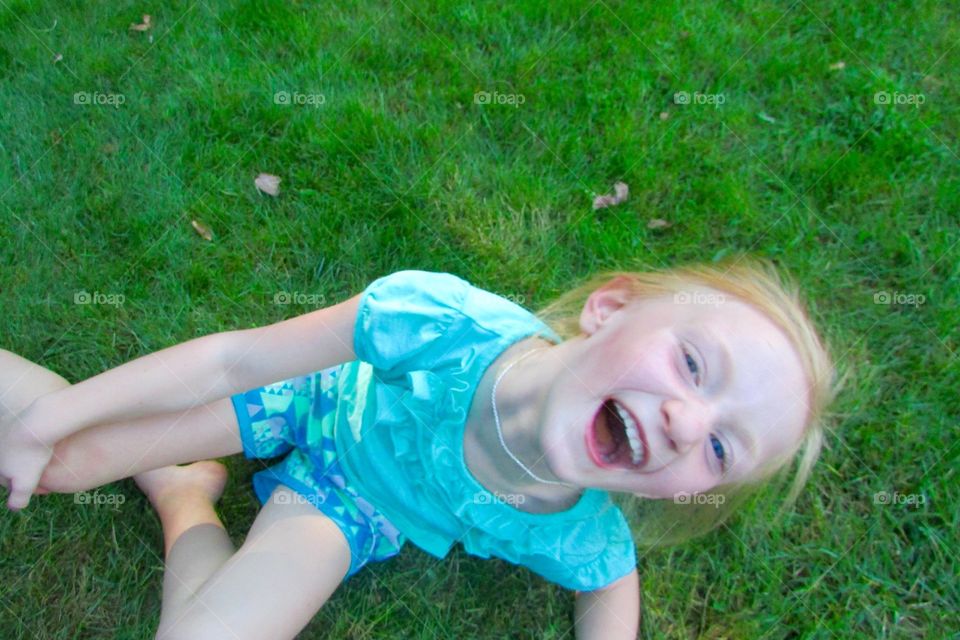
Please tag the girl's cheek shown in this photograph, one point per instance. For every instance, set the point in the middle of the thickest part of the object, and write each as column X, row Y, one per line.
column 648, row 367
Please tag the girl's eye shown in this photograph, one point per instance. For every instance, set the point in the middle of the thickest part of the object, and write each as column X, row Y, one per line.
column 718, row 451
column 692, row 365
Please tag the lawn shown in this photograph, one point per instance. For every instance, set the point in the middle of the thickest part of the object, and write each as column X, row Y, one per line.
column 472, row 138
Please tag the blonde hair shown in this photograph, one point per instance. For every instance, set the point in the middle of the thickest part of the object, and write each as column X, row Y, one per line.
column 758, row 283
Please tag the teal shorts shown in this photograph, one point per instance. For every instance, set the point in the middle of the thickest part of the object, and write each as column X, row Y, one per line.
column 295, row 418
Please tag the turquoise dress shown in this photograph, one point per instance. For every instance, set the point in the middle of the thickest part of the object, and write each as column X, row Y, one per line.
column 423, row 342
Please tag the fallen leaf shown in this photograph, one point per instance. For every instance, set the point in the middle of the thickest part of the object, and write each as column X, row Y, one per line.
column 837, row 66
column 143, row 26
column 664, row 115
column 658, row 223
column 202, row 230
column 620, row 193
column 269, row 184
column 57, row 58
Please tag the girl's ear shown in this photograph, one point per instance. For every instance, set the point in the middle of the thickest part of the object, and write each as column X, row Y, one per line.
column 603, row 302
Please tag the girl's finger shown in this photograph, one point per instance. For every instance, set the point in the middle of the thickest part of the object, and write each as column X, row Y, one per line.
column 18, row 498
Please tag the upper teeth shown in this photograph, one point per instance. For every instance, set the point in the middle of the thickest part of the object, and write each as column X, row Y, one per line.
column 633, row 433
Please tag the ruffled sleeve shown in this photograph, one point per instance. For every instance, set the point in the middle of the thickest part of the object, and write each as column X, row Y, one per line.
column 582, row 553
column 403, row 317
column 589, row 559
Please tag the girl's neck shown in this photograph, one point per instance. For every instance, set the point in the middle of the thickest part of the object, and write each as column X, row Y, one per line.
column 521, row 397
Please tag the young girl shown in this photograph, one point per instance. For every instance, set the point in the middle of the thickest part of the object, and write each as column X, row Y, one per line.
column 428, row 410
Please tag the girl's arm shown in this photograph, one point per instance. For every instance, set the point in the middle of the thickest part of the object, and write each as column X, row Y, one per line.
column 610, row 613
column 202, row 370
column 178, row 378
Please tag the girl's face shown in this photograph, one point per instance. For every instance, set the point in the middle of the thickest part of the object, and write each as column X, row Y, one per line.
column 715, row 390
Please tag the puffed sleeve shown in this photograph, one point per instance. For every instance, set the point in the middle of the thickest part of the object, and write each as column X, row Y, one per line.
column 404, row 320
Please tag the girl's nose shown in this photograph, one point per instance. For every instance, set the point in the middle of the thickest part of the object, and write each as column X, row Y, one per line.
column 685, row 422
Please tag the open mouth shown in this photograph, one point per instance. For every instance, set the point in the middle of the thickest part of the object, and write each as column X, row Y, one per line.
column 616, row 438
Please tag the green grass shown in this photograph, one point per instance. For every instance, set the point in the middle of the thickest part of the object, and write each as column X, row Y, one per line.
column 399, row 168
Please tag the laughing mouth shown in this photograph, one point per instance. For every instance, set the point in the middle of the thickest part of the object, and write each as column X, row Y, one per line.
column 616, row 439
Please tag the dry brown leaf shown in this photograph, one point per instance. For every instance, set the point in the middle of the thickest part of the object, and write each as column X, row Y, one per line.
column 269, row 184
column 202, row 230
column 837, row 66
column 143, row 26
column 658, row 223
column 620, row 193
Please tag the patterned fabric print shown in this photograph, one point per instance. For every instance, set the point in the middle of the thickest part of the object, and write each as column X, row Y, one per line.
column 297, row 417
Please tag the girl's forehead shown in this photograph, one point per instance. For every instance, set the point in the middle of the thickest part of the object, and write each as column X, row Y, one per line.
column 708, row 305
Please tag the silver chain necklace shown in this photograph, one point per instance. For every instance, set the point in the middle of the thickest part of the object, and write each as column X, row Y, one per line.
column 496, row 419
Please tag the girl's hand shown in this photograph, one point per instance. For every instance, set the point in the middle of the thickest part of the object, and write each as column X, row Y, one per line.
column 23, row 457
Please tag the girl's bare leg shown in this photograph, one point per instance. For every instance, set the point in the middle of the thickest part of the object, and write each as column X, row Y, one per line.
column 291, row 562
column 109, row 452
